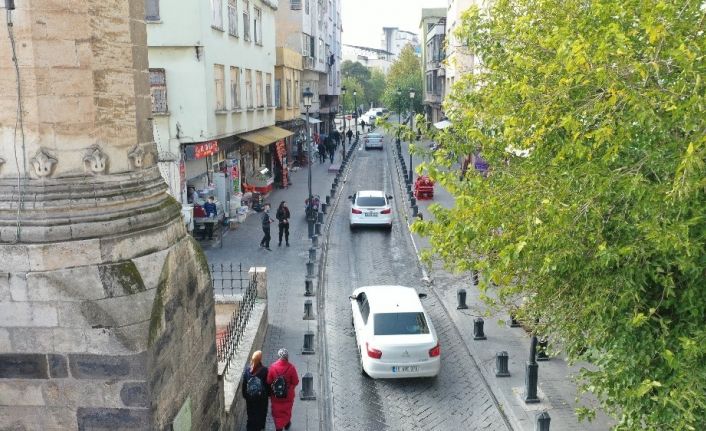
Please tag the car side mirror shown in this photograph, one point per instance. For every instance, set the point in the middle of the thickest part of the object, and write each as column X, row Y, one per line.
column 389, row 197
column 422, row 295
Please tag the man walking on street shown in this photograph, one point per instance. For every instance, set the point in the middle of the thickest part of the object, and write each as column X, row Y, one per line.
column 266, row 221
column 322, row 152
column 283, row 218
column 349, row 134
column 330, row 147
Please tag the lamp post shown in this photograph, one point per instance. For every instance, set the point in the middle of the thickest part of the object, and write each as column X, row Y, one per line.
column 343, row 135
column 399, row 114
column 411, row 127
column 307, row 95
column 355, row 109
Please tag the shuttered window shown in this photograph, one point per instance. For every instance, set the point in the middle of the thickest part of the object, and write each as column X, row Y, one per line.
column 158, row 90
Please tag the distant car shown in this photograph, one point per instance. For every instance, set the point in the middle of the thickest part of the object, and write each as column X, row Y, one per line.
column 370, row 208
column 393, row 333
column 373, row 140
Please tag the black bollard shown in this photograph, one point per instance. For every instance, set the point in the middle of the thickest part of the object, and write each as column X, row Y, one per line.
column 542, row 422
column 514, row 323
column 461, row 296
column 312, row 254
column 532, row 375
column 415, row 210
column 314, row 241
column 335, row 183
column 307, row 392
column 323, row 207
column 308, row 310
column 308, row 288
column 320, row 218
column 328, row 200
column 308, row 348
column 333, row 191
column 478, row 333
column 501, row 365
column 310, row 227
column 413, row 201
column 542, row 349
column 310, row 269
column 317, row 229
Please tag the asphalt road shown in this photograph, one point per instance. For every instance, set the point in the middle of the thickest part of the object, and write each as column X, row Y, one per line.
column 458, row 398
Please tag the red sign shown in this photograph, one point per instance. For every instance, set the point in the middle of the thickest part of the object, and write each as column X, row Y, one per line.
column 206, row 149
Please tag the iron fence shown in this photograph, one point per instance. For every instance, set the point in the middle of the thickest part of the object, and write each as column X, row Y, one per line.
column 228, row 279
column 227, row 341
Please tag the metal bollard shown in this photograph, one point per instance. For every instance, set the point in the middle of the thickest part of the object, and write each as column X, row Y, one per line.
column 335, row 183
column 320, row 217
column 317, row 231
column 461, row 296
column 501, row 365
column 314, row 241
column 514, row 323
column 542, row 350
column 328, row 200
column 415, row 210
column 531, row 375
column 310, row 269
column 308, row 348
column 308, row 288
column 413, row 201
column 333, row 191
column 307, row 392
column 310, row 228
column 323, row 207
column 478, row 333
column 312, row 254
column 308, row 310
column 542, row 422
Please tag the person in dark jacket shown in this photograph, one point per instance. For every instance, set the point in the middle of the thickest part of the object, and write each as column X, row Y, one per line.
column 266, row 221
column 330, row 147
column 256, row 405
column 283, row 218
column 349, row 134
column 211, row 211
column 322, row 152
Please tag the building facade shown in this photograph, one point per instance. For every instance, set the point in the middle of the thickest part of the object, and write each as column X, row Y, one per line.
column 213, row 141
column 459, row 60
column 394, row 40
column 373, row 58
column 288, row 70
column 433, row 28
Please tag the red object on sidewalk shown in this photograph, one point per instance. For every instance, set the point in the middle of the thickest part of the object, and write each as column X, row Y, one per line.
column 424, row 188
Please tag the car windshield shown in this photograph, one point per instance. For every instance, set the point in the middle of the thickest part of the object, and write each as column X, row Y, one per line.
column 400, row 324
column 371, row 136
column 371, row 201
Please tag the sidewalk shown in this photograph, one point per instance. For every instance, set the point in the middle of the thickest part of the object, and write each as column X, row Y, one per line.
column 556, row 390
column 286, row 270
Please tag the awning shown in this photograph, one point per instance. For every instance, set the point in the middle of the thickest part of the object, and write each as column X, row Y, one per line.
column 442, row 124
column 312, row 120
column 266, row 136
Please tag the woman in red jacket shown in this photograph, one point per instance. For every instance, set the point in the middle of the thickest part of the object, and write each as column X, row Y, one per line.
column 283, row 379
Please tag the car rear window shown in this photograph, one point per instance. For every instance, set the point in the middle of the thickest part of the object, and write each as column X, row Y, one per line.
column 400, row 324
column 370, row 201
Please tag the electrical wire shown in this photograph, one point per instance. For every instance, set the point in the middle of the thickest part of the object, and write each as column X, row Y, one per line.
column 19, row 121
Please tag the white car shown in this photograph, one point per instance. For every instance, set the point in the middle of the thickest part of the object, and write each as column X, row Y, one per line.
column 370, row 208
column 373, row 140
column 394, row 334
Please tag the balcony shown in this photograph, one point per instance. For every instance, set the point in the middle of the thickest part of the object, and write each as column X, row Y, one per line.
column 432, row 98
column 308, row 63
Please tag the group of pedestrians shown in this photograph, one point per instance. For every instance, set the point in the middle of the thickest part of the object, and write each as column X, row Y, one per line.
column 276, row 384
column 282, row 216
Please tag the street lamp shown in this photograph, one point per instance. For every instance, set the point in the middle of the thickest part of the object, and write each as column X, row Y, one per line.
column 355, row 108
column 411, row 127
column 343, row 135
column 399, row 114
column 307, row 95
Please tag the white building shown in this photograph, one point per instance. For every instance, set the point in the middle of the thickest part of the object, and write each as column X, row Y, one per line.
column 394, row 40
column 211, row 76
column 459, row 60
column 373, row 58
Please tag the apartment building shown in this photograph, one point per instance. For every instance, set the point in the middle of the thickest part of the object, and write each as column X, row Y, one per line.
column 394, row 40
column 433, row 27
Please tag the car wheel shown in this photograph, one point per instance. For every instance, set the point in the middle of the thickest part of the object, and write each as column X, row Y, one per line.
column 360, row 364
column 388, row 229
column 352, row 227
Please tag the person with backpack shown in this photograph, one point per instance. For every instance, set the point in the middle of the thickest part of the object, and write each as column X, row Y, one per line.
column 283, row 217
column 282, row 379
column 256, row 393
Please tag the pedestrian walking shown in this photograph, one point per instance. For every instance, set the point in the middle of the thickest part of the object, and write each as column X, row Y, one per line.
column 211, row 211
column 256, row 393
column 283, row 379
column 337, row 137
column 362, row 125
column 283, row 218
column 322, row 152
column 349, row 134
column 266, row 221
column 330, row 147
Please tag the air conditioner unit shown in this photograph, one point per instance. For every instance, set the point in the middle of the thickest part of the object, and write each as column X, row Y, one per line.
column 308, row 62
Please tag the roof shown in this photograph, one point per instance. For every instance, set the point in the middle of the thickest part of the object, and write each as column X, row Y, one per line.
column 392, row 298
column 266, row 135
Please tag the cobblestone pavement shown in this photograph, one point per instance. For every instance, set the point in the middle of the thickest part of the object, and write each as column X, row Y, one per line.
column 458, row 399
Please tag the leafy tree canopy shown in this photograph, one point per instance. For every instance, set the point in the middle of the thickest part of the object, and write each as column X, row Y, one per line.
column 351, row 85
column 355, row 69
column 598, row 227
column 404, row 74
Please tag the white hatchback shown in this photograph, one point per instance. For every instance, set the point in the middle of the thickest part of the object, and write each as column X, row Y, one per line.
column 394, row 334
column 370, row 208
column 373, row 140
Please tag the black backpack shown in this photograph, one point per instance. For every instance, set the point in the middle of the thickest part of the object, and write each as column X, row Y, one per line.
column 279, row 387
column 254, row 388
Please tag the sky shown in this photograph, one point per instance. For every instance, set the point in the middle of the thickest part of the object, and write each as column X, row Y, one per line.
column 363, row 20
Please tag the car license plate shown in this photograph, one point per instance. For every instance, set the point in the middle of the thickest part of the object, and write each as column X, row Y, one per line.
column 371, row 214
column 406, row 369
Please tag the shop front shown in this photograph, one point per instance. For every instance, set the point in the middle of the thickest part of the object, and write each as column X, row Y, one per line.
column 265, row 159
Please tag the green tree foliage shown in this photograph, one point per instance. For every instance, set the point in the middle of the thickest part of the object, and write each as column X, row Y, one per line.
column 600, row 230
column 371, row 80
column 355, row 69
column 405, row 74
column 352, row 84
column 375, row 87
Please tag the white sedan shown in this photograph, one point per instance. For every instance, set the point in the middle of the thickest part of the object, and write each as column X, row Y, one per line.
column 394, row 334
column 370, row 208
column 373, row 140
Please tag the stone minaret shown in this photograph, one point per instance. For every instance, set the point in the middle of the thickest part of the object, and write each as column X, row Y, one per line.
column 106, row 309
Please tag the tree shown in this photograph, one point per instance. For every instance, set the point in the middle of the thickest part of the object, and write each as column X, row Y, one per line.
column 352, row 84
column 405, row 74
column 375, row 87
column 593, row 216
column 355, row 69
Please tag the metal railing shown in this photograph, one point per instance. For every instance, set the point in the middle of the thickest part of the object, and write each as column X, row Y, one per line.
column 228, row 279
column 227, row 342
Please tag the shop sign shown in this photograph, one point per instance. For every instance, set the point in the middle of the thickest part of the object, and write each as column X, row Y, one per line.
column 182, row 174
column 205, row 149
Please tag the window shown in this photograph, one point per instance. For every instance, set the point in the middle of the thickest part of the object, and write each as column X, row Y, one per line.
column 152, row 10
column 400, row 324
column 158, row 90
column 217, row 14
column 321, row 50
column 296, row 93
column 289, row 93
column 295, row 4
column 306, row 45
column 371, row 201
column 248, row 88
column 258, row 89
column 364, row 307
column 257, row 26
column 268, row 89
column 219, row 84
column 235, row 88
column 246, row 19
column 233, row 17
column 278, row 93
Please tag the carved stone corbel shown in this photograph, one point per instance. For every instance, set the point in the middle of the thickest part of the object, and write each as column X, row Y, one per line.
column 95, row 160
column 136, row 156
column 43, row 163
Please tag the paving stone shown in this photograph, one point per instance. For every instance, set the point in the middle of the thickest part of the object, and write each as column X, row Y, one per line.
column 113, row 419
column 23, row 366
column 87, row 366
column 58, row 366
column 135, row 394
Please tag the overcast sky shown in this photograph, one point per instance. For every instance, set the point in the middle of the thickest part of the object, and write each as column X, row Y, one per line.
column 363, row 20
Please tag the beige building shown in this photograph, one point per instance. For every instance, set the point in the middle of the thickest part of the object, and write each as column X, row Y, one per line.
column 433, row 27
column 459, row 60
column 288, row 71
